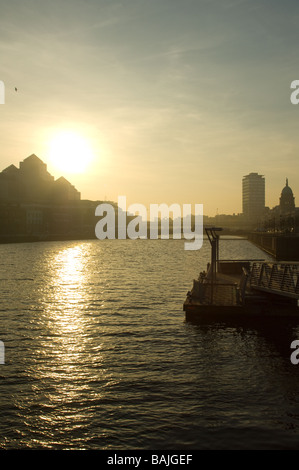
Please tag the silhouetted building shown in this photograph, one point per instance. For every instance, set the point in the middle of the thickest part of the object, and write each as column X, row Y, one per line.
column 287, row 200
column 253, row 196
column 65, row 191
column 32, row 183
column 10, row 187
column 285, row 216
column 33, row 203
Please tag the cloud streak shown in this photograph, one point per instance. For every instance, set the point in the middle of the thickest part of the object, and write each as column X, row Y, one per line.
column 195, row 88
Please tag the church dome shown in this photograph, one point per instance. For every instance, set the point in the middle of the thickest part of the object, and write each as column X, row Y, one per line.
column 287, row 200
column 287, row 190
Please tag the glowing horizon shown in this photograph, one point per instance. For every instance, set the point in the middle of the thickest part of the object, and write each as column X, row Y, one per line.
column 175, row 101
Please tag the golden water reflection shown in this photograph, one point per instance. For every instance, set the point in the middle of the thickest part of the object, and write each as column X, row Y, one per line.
column 67, row 289
column 67, row 372
column 69, row 322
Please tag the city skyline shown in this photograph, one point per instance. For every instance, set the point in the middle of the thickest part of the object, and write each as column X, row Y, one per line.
column 246, row 190
column 164, row 103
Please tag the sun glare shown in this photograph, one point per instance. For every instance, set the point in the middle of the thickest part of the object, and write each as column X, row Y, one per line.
column 70, row 152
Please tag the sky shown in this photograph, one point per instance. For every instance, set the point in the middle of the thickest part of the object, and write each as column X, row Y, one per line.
column 161, row 101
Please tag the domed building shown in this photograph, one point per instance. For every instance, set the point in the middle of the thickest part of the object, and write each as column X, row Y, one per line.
column 285, row 216
column 287, row 200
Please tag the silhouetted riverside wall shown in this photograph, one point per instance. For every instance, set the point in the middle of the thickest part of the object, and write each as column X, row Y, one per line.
column 282, row 247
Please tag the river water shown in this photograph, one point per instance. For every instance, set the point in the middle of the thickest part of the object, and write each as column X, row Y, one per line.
column 98, row 354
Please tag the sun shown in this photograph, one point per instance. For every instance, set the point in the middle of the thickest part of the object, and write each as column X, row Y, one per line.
column 70, row 152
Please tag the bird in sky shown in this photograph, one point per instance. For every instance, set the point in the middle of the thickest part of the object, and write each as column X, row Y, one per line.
column 16, row 89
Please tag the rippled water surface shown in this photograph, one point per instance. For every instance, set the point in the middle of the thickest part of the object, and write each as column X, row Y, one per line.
column 98, row 354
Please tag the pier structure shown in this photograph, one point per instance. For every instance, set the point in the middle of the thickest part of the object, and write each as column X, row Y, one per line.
column 243, row 288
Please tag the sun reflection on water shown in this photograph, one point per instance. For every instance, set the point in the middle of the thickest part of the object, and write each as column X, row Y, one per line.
column 68, row 283
column 66, row 312
column 66, row 367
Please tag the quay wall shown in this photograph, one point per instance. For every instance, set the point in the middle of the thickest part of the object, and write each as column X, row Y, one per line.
column 281, row 246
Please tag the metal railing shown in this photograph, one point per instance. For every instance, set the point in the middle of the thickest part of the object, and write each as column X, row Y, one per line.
column 276, row 278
